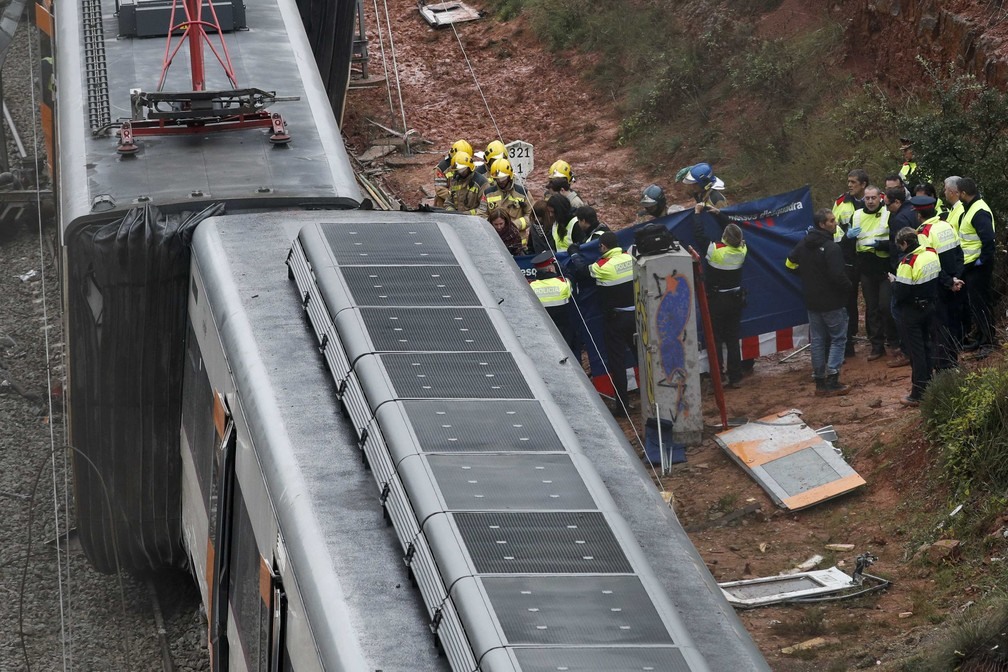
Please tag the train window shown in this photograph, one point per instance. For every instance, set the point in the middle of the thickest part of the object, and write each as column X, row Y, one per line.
column 197, row 414
column 278, row 658
column 250, row 614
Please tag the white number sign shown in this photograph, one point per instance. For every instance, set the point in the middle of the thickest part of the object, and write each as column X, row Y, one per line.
column 520, row 154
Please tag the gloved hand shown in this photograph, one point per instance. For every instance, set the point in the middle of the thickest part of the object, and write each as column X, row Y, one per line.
column 870, row 244
column 573, row 249
column 853, row 232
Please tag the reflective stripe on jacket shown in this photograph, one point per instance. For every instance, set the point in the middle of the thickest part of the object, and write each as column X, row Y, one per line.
column 919, row 267
column 971, row 243
column 938, row 235
column 724, row 257
column 552, row 291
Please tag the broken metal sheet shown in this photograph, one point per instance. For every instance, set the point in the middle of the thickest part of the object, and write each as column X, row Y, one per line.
column 777, row 589
column 440, row 14
column 791, row 461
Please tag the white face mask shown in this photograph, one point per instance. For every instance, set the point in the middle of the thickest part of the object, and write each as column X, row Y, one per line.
column 502, row 182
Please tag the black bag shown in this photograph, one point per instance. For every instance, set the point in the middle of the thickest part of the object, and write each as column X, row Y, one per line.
column 654, row 238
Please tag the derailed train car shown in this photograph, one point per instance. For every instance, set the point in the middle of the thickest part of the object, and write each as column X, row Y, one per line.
column 225, row 300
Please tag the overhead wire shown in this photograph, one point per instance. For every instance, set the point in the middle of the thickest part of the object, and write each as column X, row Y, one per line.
column 395, row 67
column 381, row 45
column 560, row 271
column 66, row 646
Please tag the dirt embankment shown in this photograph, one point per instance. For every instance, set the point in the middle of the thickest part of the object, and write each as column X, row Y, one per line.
column 546, row 98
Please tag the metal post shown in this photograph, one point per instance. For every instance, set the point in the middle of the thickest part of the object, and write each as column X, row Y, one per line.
column 194, row 12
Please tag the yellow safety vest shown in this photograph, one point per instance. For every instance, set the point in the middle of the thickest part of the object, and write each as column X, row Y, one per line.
column 614, row 268
column 920, row 266
column 552, row 291
column 971, row 243
column 561, row 244
column 725, row 257
column 936, row 234
column 874, row 228
column 843, row 210
column 909, row 168
column 954, row 215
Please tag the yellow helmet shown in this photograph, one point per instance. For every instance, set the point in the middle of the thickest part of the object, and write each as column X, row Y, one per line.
column 460, row 146
column 463, row 160
column 495, row 150
column 501, row 168
column 561, row 169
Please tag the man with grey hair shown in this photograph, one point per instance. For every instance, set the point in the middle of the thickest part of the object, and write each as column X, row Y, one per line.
column 955, row 206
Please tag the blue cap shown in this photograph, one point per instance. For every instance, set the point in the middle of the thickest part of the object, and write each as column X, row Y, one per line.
column 923, row 202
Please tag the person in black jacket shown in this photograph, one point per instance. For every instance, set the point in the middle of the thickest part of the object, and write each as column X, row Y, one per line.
column 826, row 286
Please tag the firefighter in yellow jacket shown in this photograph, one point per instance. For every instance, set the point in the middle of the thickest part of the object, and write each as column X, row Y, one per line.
column 503, row 192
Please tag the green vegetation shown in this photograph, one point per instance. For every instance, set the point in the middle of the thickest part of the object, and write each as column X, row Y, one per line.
column 973, row 643
column 966, row 419
column 697, row 82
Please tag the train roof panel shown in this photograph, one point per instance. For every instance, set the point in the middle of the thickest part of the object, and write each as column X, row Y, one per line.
column 273, row 55
column 469, row 584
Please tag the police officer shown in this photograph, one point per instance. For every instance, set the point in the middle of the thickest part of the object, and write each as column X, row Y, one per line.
column 844, row 208
column 613, row 276
column 915, row 291
column 976, row 231
column 723, row 270
column 554, row 292
column 870, row 230
column 953, row 204
column 901, row 216
column 465, row 189
column 504, row 192
column 936, row 234
column 443, row 171
column 908, row 171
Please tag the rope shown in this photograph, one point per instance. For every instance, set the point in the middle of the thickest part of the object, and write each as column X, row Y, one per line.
column 395, row 66
column 67, row 652
column 556, row 262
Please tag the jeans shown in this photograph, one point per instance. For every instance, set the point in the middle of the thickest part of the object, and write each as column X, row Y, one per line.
column 827, row 327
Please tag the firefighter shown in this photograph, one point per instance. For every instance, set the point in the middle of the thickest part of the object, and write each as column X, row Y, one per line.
column 703, row 186
column 503, row 192
column 465, row 189
column 561, row 177
column 443, row 171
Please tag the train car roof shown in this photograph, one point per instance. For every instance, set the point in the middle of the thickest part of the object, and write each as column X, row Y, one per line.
column 238, row 166
column 325, row 500
column 296, row 372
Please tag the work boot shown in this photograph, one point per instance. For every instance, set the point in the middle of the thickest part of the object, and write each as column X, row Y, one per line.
column 820, row 387
column 833, row 386
column 876, row 354
column 899, row 360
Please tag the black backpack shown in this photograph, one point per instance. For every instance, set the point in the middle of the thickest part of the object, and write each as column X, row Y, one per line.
column 654, row 238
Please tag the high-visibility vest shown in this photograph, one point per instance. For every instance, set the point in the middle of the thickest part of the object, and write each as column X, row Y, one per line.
column 613, row 275
column 918, row 267
column 971, row 243
column 843, row 210
column 561, row 244
column 937, row 234
column 725, row 257
column 955, row 213
column 907, row 171
column 874, row 228
column 552, row 292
